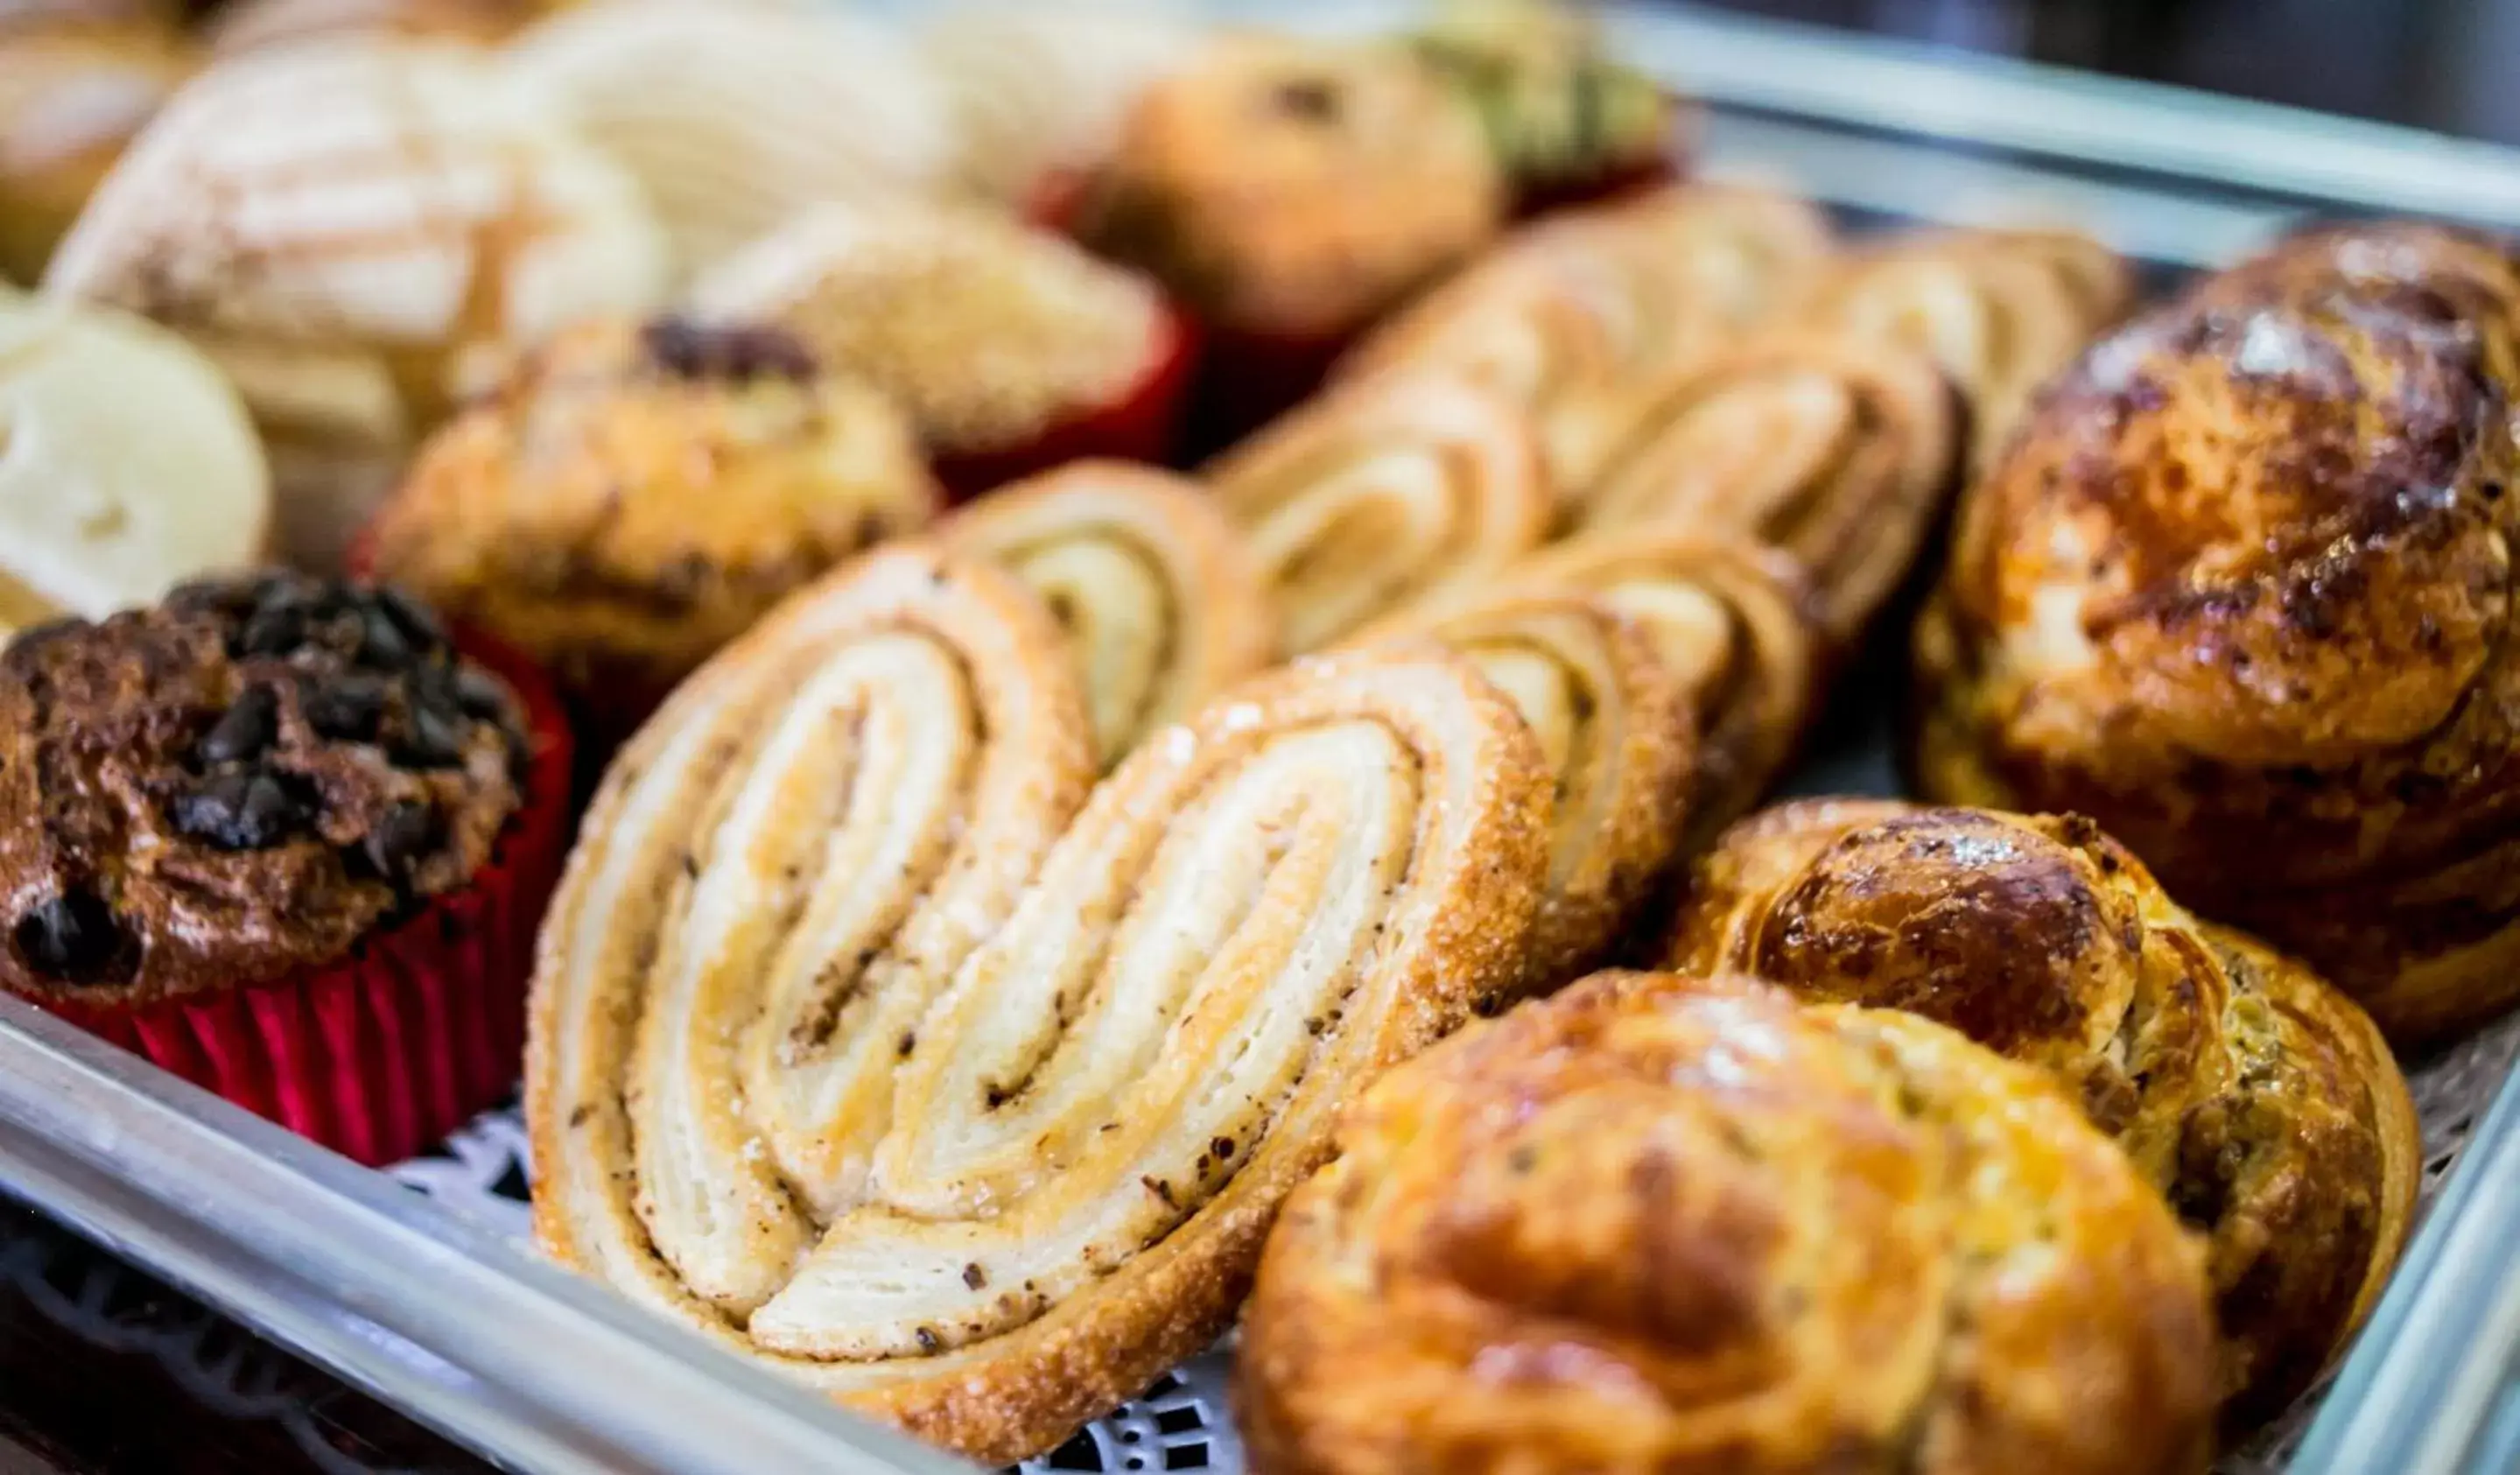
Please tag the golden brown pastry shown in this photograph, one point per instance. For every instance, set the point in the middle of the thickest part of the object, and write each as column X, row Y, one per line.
column 1618, row 737
column 1733, row 622
column 638, row 494
column 2477, row 273
column 2000, row 311
column 1657, row 1225
column 71, row 97
column 1395, row 490
column 1040, row 93
column 243, row 26
column 2259, row 1100
column 1577, row 314
column 841, row 1060
column 2240, row 590
column 360, row 233
column 1295, row 187
column 1837, row 450
column 1566, row 120
column 1160, row 599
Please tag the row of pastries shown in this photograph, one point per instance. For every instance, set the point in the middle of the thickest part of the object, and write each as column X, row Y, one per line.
column 1148, row 619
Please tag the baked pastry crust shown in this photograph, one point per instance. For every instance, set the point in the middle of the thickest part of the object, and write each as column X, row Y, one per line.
column 1660, row 1225
column 1161, row 601
column 2260, row 1102
column 1836, row 449
column 71, row 97
column 2240, row 592
column 1023, row 1111
column 1382, row 494
column 557, row 511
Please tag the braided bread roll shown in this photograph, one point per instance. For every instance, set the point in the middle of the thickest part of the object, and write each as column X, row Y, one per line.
column 833, row 1064
column 2001, row 312
column 2240, row 590
column 1382, row 494
column 1837, row 450
column 1161, row 601
column 1658, row 1225
column 1733, row 622
column 2259, row 1100
column 1616, row 735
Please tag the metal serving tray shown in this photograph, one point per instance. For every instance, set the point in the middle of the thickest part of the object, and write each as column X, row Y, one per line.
column 433, row 1302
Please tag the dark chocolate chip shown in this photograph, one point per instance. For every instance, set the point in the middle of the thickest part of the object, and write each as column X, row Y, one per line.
column 1313, row 99
column 272, row 632
column 481, row 694
column 420, row 623
column 401, row 840
column 75, row 938
column 246, row 732
column 700, row 351
column 240, row 811
column 346, row 708
column 431, row 737
column 382, row 642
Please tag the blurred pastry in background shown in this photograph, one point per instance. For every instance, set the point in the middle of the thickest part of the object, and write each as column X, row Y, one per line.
column 2001, row 312
column 44, row 14
column 1040, row 92
column 73, row 95
column 1012, row 349
column 1568, row 121
column 253, row 24
column 359, row 232
column 638, row 494
column 736, row 116
column 127, row 464
column 1288, row 192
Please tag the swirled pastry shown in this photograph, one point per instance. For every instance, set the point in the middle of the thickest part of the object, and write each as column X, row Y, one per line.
column 1837, row 450
column 816, row 1071
column 1733, row 622
column 1616, row 733
column 1161, row 601
column 1660, row 1225
column 1387, row 492
column 2000, row 311
column 2258, row 1098
column 2240, row 590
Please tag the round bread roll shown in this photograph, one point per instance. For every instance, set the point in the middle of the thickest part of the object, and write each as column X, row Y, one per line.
column 127, row 464
column 359, row 232
column 1654, row 1224
column 71, row 97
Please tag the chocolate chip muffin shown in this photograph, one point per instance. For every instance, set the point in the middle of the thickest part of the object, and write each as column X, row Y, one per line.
column 238, row 785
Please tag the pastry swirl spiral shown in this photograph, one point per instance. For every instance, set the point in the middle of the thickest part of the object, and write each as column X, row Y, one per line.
column 1660, row 1225
column 2240, row 590
column 2260, row 1101
column 840, row 1060
column 1160, row 599
column 1385, row 493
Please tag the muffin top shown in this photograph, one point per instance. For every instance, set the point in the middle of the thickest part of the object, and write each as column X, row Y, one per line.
column 639, row 493
column 236, row 784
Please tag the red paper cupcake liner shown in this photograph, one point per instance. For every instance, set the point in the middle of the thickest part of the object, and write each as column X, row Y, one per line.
column 1143, row 425
column 381, row 1056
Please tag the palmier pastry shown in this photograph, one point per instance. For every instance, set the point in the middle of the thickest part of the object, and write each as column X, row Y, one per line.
column 2240, row 590
column 2258, row 1098
column 1617, row 735
column 1387, row 492
column 2000, row 311
column 1161, row 601
column 1733, row 622
column 1837, row 450
column 817, row 1072
column 639, row 493
column 1660, row 1225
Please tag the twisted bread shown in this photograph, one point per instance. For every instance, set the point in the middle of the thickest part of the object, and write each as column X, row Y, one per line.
column 2260, row 1101
column 1654, row 1225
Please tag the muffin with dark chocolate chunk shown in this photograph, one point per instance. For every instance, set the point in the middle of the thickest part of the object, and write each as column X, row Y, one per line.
column 638, row 494
column 279, row 835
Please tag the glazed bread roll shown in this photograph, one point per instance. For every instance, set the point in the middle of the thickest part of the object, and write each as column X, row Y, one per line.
column 1656, row 1224
column 360, row 233
column 1161, row 601
column 2000, row 311
column 1734, row 623
column 838, row 1058
column 2240, row 592
column 1618, row 737
column 127, row 464
column 737, row 115
column 1396, row 490
column 1838, row 450
column 2475, row 272
column 2260, row 1101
